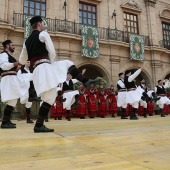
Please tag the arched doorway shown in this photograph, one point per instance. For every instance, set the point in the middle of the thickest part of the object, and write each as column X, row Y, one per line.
column 167, row 76
column 93, row 71
column 142, row 75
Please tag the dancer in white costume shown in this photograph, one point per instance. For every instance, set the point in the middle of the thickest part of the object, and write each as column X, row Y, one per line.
column 161, row 92
column 12, row 86
column 48, row 73
column 24, row 71
column 121, row 97
column 144, row 98
column 134, row 93
column 70, row 94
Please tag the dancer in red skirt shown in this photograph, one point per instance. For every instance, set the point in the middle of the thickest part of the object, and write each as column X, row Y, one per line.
column 102, row 102
column 113, row 109
column 91, row 102
column 81, row 109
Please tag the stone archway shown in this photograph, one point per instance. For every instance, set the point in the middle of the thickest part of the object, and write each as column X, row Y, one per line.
column 144, row 76
column 167, row 76
column 93, row 71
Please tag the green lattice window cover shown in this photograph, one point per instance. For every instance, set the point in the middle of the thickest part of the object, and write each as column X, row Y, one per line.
column 28, row 28
column 90, row 42
column 136, row 47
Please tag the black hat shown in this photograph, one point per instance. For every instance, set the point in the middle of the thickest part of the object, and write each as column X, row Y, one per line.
column 6, row 42
column 127, row 71
column 159, row 81
column 35, row 19
column 120, row 74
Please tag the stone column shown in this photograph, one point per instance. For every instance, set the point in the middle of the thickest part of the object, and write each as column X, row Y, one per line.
column 156, row 71
column 115, row 64
column 150, row 8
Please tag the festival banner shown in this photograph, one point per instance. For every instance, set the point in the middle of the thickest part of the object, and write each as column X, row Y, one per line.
column 28, row 28
column 136, row 47
column 90, row 42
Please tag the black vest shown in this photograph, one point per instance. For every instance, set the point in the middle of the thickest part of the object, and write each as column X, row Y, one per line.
column 68, row 87
column 118, row 87
column 160, row 90
column 35, row 47
column 129, row 85
column 11, row 59
column 23, row 70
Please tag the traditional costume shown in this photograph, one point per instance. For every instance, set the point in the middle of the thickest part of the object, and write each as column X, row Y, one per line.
column 113, row 109
column 161, row 92
column 134, row 93
column 12, row 86
column 121, row 97
column 81, row 108
column 24, row 71
column 102, row 103
column 48, row 73
column 91, row 102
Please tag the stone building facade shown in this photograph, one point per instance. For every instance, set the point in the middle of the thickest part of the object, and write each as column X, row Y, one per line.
column 152, row 21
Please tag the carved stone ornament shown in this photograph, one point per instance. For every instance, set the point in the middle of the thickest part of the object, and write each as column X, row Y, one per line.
column 131, row 5
column 150, row 2
column 165, row 14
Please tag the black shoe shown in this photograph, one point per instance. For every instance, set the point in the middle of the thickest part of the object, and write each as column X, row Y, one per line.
column 42, row 129
column 91, row 117
column 134, row 118
column 102, row 116
column 29, row 121
column 162, row 115
column 123, row 117
column 91, row 81
column 7, row 126
column 12, row 123
column 69, row 119
column 59, row 118
column 145, row 116
column 46, row 120
column 113, row 116
column 34, row 99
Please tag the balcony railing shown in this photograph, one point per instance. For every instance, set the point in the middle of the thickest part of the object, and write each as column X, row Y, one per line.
column 165, row 44
column 56, row 25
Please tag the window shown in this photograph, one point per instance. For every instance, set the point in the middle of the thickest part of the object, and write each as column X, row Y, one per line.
column 87, row 14
column 131, row 23
column 35, row 7
column 166, row 34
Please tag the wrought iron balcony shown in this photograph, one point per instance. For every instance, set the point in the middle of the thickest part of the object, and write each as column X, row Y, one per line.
column 56, row 25
column 165, row 44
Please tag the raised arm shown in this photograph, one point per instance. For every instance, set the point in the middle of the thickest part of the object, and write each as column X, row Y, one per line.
column 134, row 75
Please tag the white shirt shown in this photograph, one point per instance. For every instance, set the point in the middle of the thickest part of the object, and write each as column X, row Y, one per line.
column 73, row 80
column 121, row 83
column 4, row 62
column 44, row 37
column 134, row 75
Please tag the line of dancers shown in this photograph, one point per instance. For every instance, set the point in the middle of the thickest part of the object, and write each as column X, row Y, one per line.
column 128, row 100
